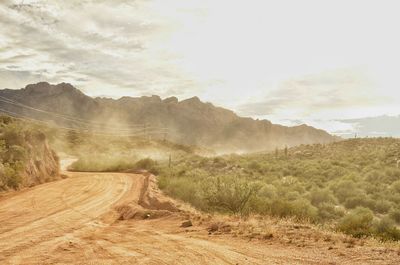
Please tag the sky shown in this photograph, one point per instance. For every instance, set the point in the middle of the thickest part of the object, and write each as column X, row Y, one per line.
column 324, row 63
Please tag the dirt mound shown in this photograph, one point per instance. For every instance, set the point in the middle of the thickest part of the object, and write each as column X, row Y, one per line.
column 152, row 198
column 150, row 204
column 127, row 212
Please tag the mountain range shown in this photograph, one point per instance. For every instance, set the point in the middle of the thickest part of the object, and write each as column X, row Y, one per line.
column 189, row 121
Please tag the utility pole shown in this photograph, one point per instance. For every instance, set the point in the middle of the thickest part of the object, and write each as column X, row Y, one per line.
column 165, row 135
column 145, row 132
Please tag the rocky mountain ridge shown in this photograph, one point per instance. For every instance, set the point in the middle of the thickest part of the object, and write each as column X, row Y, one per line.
column 189, row 121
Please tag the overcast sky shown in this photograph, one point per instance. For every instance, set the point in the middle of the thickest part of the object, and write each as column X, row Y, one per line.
column 287, row 61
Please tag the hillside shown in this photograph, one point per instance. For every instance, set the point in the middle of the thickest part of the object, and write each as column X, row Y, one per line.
column 189, row 121
column 26, row 158
column 352, row 186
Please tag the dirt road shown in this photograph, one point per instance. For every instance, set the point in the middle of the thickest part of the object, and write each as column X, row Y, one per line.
column 72, row 221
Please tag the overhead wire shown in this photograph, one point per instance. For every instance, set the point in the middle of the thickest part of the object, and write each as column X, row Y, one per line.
column 80, row 130
column 135, row 129
column 68, row 117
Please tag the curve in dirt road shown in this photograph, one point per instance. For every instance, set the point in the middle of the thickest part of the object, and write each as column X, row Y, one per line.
column 118, row 218
column 34, row 218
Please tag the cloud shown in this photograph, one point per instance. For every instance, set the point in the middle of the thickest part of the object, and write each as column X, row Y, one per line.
column 260, row 59
column 96, row 45
column 305, row 95
column 385, row 125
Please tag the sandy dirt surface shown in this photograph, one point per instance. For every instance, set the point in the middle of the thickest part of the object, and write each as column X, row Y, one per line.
column 75, row 221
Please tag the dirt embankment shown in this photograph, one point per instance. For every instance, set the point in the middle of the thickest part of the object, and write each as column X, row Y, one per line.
column 43, row 164
column 25, row 158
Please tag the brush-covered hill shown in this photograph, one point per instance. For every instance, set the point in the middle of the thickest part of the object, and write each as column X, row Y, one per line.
column 189, row 121
column 352, row 185
column 25, row 156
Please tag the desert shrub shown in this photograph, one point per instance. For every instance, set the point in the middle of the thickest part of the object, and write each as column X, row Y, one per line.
column 184, row 189
column 382, row 206
column 300, row 209
column 359, row 200
column 303, row 210
column 327, row 211
column 219, row 162
column 391, row 175
column 386, row 229
column 344, row 190
column 254, row 165
column 15, row 153
column 394, row 214
column 394, row 198
column 280, row 208
column 292, row 195
column 395, row 187
column 373, row 176
column 13, row 135
column 12, row 176
column 229, row 194
column 268, row 192
column 147, row 164
column 358, row 223
column 316, row 182
column 322, row 196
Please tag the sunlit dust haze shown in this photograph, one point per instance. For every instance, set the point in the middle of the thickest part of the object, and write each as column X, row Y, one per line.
column 324, row 63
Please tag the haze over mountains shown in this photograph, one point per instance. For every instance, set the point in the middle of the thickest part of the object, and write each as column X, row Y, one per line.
column 189, row 121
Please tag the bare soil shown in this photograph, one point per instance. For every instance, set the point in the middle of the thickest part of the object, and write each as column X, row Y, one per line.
column 121, row 218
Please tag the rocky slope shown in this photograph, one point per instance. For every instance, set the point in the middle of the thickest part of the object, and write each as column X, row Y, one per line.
column 188, row 121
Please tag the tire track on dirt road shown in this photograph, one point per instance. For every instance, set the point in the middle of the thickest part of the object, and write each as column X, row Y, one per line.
column 55, row 210
column 77, row 221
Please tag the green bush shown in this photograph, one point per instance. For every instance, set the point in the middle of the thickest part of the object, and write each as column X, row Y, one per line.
column 229, row 194
column 183, row 189
column 359, row 200
column 303, row 210
column 382, row 206
column 147, row 164
column 394, row 214
column 386, row 230
column 344, row 189
column 358, row 223
column 327, row 211
column 12, row 176
column 322, row 196
column 396, row 186
column 316, row 182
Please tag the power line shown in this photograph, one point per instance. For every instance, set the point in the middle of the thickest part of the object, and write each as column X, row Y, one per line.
column 66, row 117
column 134, row 128
column 24, row 118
